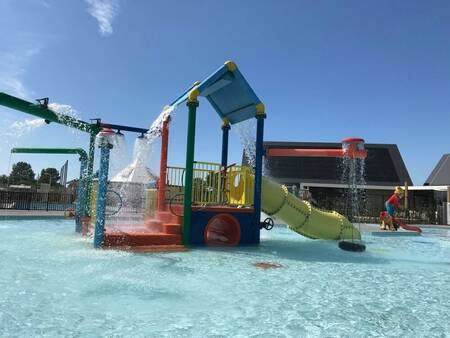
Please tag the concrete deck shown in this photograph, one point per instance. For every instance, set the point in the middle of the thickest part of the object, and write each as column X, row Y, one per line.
column 31, row 213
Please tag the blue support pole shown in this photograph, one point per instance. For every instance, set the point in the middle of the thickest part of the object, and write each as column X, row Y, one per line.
column 105, row 147
column 258, row 165
column 80, row 210
column 224, row 162
column 225, row 133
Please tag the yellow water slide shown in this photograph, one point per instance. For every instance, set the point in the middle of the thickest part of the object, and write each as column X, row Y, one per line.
column 303, row 218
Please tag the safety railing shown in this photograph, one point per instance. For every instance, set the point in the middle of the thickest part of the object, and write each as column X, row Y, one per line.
column 212, row 185
column 175, row 185
column 208, row 184
column 30, row 200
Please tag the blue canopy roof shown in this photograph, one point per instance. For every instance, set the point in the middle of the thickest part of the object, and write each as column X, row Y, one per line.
column 229, row 93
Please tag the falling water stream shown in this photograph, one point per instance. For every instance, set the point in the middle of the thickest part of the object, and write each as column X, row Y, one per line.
column 354, row 195
column 119, row 154
column 246, row 131
column 127, row 187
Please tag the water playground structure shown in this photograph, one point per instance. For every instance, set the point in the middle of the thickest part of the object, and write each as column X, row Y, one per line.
column 202, row 203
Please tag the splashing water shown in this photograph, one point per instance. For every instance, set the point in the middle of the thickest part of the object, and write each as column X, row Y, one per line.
column 137, row 171
column 142, row 151
column 119, row 154
column 156, row 128
column 130, row 184
column 353, row 177
column 64, row 109
column 246, row 131
column 67, row 115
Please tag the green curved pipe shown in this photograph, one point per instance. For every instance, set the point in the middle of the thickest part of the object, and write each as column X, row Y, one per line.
column 79, row 151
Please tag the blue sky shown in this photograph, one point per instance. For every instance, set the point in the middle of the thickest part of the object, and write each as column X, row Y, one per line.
column 324, row 69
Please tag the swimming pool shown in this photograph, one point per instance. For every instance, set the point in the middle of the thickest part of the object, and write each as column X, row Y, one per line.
column 53, row 283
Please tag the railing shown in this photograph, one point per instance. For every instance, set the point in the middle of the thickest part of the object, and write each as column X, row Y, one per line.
column 30, row 200
column 212, row 185
column 175, row 185
column 370, row 213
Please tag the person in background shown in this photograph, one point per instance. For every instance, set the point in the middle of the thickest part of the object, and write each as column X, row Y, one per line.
column 294, row 190
column 391, row 205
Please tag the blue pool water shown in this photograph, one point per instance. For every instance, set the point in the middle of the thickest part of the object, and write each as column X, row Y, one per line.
column 54, row 284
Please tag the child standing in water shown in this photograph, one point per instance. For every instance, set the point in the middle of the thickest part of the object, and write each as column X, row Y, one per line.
column 392, row 205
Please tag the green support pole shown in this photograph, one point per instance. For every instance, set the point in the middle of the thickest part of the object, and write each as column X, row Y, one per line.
column 186, row 231
column 90, row 170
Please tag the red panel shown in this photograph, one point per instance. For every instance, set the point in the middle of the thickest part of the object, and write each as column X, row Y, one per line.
column 291, row 152
column 223, row 229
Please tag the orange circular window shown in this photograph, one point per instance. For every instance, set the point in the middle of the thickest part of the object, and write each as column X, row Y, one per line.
column 223, row 229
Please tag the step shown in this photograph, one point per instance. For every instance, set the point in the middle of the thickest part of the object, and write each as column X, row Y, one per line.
column 150, row 248
column 154, row 225
column 172, row 228
column 177, row 209
column 140, row 239
column 125, row 228
column 167, row 216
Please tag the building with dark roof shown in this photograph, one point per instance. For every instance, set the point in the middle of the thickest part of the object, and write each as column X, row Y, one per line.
column 441, row 172
column 384, row 165
column 384, row 169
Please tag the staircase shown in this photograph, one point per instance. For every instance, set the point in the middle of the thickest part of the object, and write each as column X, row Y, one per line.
column 160, row 233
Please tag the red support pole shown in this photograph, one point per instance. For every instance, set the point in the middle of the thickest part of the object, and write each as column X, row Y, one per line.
column 163, row 166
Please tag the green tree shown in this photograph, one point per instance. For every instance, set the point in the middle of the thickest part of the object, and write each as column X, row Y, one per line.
column 3, row 179
column 22, row 173
column 49, row 175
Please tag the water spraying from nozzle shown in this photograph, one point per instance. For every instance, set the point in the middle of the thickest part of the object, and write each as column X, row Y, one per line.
column 353, row 168
column 246, row 131
column 156, row 128
column 353, row 147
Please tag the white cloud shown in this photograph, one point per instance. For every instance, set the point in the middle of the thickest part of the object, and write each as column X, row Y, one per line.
column 13, row 132
column 12, row 68
column 13, row 86
column 45, row 3
column 104, row 11
column 20, row 128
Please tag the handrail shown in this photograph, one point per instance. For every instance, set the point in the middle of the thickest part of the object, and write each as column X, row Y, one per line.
column 214, row 185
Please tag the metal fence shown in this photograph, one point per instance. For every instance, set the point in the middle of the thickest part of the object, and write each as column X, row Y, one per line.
column 370, row 213
column 31, row 200
column 212, row 185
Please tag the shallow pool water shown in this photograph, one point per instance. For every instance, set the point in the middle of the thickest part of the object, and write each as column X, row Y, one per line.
column 53, row 283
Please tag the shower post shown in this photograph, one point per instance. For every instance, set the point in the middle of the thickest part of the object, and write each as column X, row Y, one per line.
column 99, row 232
column 80, row 210
column 162, row 183
column 260, row 116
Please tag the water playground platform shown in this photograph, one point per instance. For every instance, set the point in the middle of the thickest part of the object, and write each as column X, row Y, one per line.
column 218, row 203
